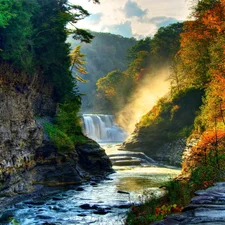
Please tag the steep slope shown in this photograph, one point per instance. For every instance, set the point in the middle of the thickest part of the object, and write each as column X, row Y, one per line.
column 162, row 133
column 105, row 53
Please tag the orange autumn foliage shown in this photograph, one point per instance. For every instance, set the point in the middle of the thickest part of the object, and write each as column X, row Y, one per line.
column 212, row 143
column 167, row 209
column 214, row 19
column 202, row 44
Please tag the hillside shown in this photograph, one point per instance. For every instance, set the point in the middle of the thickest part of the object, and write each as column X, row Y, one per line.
column 105, row 53
column 162, row 133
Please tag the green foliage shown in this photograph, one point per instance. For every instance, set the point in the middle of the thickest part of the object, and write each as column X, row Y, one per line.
column 146, row 58
column 63, row 143
column 13, row 221
column 5, row 12
column 19, row 28
column 155, row 208
column 203, row 6
column 40, row 30
column 166, row 42
column 112, row 88
column 66, row 132
column 142, row 45
column 209, row 168
column 172, row 119
column 107, row 52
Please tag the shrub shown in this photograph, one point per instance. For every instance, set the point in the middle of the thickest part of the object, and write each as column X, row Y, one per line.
column 60, row 139
column 66, row 132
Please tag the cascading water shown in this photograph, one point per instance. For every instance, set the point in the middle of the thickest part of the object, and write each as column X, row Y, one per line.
column 102, row 128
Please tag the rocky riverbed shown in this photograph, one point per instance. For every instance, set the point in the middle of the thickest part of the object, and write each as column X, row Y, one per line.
column 101, row 202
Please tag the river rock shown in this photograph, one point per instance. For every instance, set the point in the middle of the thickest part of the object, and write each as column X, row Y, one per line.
column 30, row 202
column 88, row 206
column 101, row 212
column 82, row 215
column 80, row 189
column 44, row 217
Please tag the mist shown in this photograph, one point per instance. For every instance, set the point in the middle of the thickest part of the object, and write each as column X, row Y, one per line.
column 150, row 90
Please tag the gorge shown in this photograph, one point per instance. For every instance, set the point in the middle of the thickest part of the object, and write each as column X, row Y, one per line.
column 98, row 201
column 59, row 166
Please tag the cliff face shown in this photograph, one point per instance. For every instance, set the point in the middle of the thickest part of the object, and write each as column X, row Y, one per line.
column 27, row 157
column 167, row 153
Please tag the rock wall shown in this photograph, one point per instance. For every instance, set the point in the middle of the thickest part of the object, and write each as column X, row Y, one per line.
column 27, row 157
column 168, row 154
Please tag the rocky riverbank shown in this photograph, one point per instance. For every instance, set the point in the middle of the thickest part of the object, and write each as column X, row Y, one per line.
column 28, row 159
column 207, row 207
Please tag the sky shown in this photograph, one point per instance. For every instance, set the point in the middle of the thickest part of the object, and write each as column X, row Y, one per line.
column 132, row 18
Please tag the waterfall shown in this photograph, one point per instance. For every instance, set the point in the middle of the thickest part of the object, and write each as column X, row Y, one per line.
column 102, row 128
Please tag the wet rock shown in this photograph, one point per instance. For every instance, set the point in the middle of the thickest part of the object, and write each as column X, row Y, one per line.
column 44, row 217
column 30, row 202
column 205, row 208
column 93, row 184
column 6, row 216
column 202, row 199
column 101, row 212
column 29, row 160
column 57, row 198
column 92, row 158
column 82, row 215
column 107, row 178
column 85, row 206
column 88, row 206
column 41, row 210
column 124, row 206
column 80, row 189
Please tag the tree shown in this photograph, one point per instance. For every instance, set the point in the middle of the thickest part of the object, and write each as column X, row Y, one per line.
column 166, row 43
column 142, row 45
column 77, row 63
column 40, row 28
column 18, row 27
column 5, row 12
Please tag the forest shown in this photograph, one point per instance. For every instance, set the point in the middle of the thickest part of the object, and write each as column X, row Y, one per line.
column 105, row 53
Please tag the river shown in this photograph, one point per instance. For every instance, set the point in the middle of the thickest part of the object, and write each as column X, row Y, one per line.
column 103, row 202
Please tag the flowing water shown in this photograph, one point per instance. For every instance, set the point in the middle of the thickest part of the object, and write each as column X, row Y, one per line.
column 102, row 128
column 98, row 202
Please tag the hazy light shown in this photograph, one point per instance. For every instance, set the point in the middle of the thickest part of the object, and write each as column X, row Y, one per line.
column 143, row 99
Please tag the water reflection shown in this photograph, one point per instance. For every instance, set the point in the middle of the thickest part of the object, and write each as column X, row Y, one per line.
column 64, row 208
